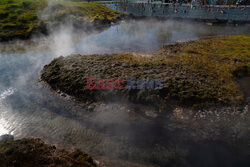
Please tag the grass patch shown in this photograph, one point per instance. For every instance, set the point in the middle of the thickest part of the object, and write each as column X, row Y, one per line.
column 18, row 18
column 81, row 11
column 21, row 18
column 216, row 61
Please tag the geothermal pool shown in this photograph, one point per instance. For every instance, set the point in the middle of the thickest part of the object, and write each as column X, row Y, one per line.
column 27, row 108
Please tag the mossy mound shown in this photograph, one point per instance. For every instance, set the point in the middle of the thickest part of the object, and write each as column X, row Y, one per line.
column 78, row 13
column 18, row 18
column 33, row 152
column 197, row 73
column 21, row 18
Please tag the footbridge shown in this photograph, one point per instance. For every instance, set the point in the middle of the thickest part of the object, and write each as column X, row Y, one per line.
column 240, row 13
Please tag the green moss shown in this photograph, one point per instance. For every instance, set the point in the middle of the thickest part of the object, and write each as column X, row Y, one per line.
column 20, row 18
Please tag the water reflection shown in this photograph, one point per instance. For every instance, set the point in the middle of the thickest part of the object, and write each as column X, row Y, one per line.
column 4, row 124
column 149, row 36
column 3, row 130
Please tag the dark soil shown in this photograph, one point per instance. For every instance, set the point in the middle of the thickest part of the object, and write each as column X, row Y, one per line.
column 33, row 152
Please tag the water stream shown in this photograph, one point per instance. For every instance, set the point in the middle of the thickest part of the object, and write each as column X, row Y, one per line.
column 27, row 108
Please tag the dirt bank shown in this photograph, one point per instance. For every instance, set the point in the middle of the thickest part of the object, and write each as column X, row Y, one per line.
column 22, row 19
column 197, row 73
column 33, row 152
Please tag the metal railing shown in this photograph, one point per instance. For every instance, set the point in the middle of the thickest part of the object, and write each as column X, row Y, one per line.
column 219, row 12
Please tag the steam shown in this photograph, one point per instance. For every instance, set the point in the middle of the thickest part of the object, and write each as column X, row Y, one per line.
column 35, row 111
column 52, row 2
column 62, row 44
column 6, row 93
column 2, row 129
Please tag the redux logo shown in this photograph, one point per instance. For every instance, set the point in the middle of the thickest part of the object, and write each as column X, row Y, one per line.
column 131, row 83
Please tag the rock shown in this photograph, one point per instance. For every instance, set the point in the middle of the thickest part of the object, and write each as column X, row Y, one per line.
column 151, row 114
column 124, row 65
column 181, row 114
column 63, row 95
column 246, row 109
column 209, row 23
column 96, row 162
column 91, row 108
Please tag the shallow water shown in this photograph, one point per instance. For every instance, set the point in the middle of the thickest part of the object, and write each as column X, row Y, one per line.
column 29, row 109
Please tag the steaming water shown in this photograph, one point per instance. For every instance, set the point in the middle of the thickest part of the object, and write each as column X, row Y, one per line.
column 29, row 109
column 6, row 93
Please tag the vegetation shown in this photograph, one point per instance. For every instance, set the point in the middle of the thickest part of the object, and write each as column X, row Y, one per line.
column 18, row 18
column 33, row 152
column 198, row 73
column 21, row 18
column 216, row 63
column 79, row 12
